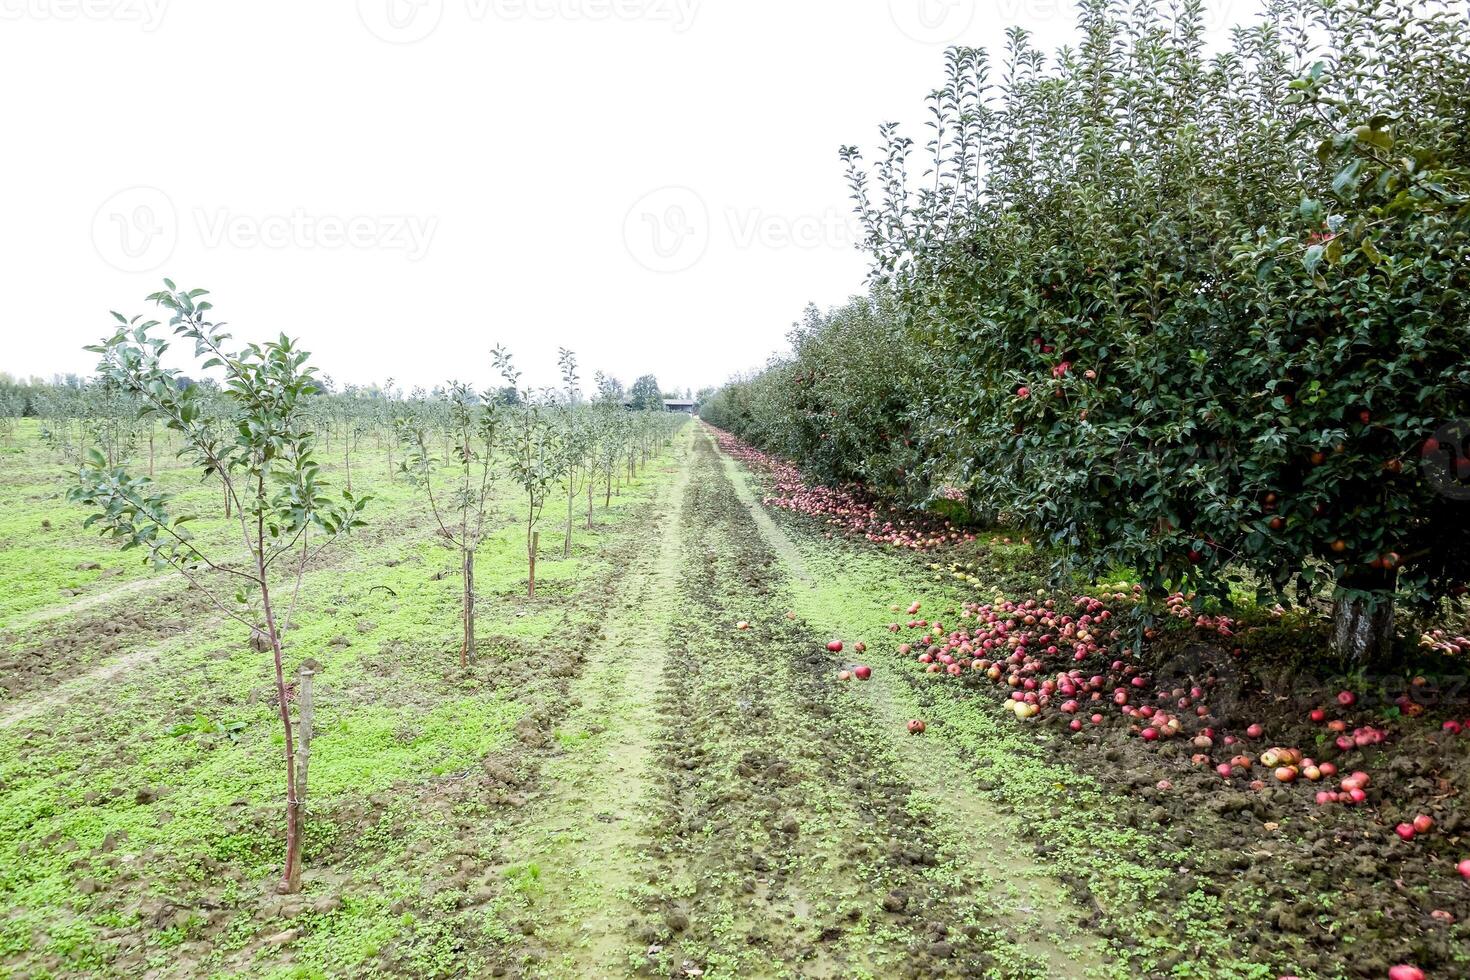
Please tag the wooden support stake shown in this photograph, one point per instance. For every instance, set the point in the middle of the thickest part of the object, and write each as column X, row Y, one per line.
column 535, row 544
column 303, row 748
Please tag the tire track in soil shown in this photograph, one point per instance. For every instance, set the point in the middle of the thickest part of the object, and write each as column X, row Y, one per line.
column 85, row 603
column 1033, row 896
column 14, row 714
column 792, row 841
column 133, row 634
column 586, row 835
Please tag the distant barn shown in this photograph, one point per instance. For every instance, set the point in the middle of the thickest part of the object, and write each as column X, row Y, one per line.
column 672, row 405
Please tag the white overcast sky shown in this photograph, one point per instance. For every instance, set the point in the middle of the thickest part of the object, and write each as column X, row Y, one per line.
column 404, row 183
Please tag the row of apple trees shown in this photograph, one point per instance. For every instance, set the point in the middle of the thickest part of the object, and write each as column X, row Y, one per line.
column 257, row 430
column 1202, row 315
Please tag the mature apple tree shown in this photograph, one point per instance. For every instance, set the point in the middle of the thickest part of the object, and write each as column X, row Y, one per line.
column 1206, row 316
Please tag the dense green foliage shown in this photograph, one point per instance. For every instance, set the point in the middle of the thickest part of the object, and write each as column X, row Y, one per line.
column 1196, row 315
column 646, row 394
column 850, row 402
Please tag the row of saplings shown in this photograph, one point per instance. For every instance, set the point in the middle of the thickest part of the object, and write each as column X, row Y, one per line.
column 1021, row 646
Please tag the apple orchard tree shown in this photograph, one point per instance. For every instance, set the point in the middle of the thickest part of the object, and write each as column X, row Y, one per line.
column 1206, row 317
column 262, row 452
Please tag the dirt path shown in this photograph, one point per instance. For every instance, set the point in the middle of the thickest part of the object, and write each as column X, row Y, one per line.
column 722, row 806
column 85, row 603
column 1031, row 898
column 585, row 837
column 864, row 854
column 14, row 714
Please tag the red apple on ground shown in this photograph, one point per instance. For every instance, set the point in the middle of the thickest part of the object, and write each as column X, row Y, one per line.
column 835, row 646
column 862, row 672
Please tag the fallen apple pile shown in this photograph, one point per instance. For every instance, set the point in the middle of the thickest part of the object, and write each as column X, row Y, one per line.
column 1056, row 657
column 847, row 509
column 1440, row 640
column 1066, row 662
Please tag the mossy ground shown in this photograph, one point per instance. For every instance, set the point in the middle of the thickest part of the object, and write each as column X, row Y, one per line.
column 624, row 784
column 140, row 824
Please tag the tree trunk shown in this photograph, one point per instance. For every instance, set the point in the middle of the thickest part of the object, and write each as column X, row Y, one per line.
column 531, row 583
column 1362, row 626
column 291, row 876
column 607, row 501
column 467, row 649
column 590, row 480
column 566, row 544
